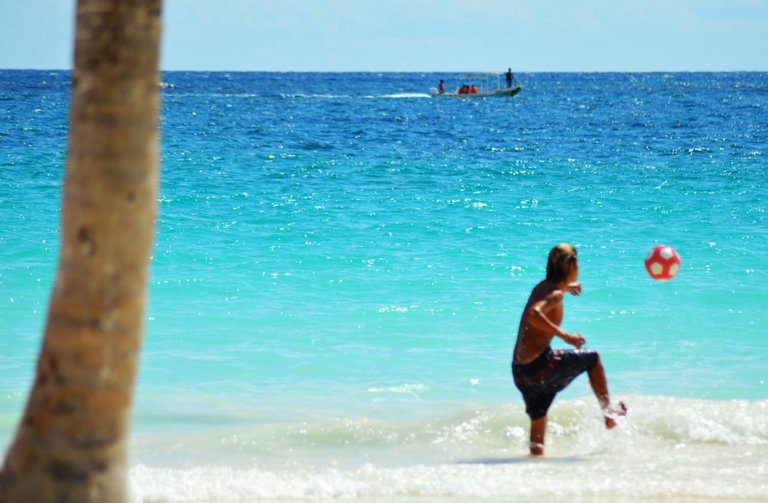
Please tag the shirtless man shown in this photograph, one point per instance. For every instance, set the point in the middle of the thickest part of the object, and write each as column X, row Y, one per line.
column 541, row 372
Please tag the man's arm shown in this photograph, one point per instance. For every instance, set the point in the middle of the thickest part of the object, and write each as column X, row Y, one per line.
column 538, row 316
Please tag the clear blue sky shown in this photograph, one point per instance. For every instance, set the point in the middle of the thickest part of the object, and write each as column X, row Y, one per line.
column 421, row 35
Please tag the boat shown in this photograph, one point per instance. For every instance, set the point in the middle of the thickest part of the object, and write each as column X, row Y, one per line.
column 489, row 87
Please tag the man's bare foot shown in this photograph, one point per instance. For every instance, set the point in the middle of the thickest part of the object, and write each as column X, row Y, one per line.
column 611, row 414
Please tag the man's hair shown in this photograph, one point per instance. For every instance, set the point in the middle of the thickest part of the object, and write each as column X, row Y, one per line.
column 560, row 258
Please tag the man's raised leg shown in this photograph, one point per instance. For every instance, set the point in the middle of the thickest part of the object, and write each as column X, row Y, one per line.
column 600, row 387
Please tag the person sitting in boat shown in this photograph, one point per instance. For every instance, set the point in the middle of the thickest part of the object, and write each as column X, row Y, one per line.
column 464, row 89
column 473, row 89
column 441, row 87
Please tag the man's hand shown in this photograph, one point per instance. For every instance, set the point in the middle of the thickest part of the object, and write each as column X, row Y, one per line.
column 574, row 339
column 573, row 288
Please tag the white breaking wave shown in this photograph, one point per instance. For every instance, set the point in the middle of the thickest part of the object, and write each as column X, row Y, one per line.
column 668, row 449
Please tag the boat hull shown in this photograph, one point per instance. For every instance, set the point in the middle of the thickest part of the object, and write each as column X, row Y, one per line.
column 498, row 93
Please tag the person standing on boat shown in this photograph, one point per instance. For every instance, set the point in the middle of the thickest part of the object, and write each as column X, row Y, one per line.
column 441, row 87
column 510, row 77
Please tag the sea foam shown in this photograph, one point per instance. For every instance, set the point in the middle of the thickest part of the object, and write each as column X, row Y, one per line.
column 666, row 449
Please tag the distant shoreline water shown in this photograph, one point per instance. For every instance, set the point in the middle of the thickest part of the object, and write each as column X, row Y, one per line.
column 340, row 266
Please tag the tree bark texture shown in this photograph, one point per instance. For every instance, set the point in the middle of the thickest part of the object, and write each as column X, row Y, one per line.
column 70, row 445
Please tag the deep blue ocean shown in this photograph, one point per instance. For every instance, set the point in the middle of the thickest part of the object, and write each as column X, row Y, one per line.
column 341, row 263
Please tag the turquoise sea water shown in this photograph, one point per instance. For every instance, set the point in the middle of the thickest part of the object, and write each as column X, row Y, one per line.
column 341, row 262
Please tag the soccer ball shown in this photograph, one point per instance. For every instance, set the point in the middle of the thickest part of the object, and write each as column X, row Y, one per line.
column 662, row 262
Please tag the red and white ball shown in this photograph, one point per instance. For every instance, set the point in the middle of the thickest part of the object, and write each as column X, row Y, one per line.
column 662, row 262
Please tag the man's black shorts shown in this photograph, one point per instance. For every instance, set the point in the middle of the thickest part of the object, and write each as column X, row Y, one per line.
column 540, row 380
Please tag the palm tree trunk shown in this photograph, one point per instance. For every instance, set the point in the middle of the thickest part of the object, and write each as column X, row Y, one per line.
column 71, row 442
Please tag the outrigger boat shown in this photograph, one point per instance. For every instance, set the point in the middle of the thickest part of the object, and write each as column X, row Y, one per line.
column 487, row 87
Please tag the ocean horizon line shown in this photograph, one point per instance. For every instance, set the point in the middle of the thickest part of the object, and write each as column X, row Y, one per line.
column 426, row 72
